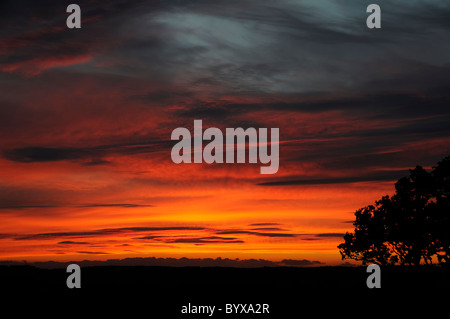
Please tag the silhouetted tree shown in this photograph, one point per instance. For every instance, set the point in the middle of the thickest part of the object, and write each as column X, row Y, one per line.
column 411, row 226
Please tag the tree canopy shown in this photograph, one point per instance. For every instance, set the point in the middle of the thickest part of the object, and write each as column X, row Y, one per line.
column 408, row 228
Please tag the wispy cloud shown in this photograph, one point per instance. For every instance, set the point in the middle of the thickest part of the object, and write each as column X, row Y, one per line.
column 70, row 242
column 104, row 232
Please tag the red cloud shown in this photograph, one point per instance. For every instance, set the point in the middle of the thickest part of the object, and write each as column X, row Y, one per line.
column 36, row 66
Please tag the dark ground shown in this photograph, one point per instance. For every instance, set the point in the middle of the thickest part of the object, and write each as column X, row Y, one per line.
column 160, row 292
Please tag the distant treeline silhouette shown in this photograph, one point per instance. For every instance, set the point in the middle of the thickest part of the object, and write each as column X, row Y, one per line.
column 408, row 228
column 171, row 262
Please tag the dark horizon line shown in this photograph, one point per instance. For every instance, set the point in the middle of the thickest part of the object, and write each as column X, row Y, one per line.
column 172, row 262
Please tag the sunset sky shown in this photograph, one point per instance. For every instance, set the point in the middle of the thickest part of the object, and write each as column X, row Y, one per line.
column 86, row 117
